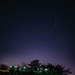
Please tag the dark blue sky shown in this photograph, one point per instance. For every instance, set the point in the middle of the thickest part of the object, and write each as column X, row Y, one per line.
column 43, row 30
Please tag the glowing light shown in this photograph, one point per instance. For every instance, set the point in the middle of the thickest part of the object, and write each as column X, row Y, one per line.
column 38, row 69
column 24, row 67
column 10, row 66
column 4, row 70
column 15, row 66
column 46, row 69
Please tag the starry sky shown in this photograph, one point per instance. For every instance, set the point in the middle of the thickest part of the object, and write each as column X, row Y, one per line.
column 33, row 29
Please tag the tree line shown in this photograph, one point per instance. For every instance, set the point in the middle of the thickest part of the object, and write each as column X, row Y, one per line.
column 35, row 68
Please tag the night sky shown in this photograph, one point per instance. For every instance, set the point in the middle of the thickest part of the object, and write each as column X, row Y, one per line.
column 33, row 29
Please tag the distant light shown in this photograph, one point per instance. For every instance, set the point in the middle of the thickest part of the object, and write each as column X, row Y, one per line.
column 46, row 69
column 24, row 67
column 4, row 70
column 11, row 66
column 15, row 66
column 38, row 69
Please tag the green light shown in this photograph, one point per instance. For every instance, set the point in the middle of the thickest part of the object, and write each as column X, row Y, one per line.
column 46, row 69
column 38, row 69
column 23, row 70
column 24, row 67
column 15, row 66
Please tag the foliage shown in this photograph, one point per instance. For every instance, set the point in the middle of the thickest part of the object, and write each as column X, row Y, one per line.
column 3, row 67
column 37, row 68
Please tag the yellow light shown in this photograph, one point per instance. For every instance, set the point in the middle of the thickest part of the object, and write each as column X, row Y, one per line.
column 4, row 70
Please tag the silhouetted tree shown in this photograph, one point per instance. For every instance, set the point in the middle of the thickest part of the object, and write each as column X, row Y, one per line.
column 34, row 64
column 23, row 64
column 50, row 66
column 3, row 67
column 60, row 70
column 12, row 70
column 36, row 68
column 18, row 70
